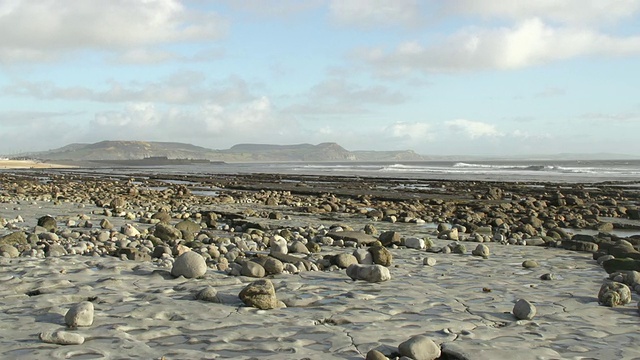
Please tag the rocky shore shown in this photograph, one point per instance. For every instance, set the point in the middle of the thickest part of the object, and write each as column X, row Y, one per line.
column 292, row 267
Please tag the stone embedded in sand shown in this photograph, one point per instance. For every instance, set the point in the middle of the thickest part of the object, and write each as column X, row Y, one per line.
column 524, row 310
column 420, row 347
column 430, row 261
column 614, row 294
column 253, row 269
column 259, row 294
column 190, row 265
column 209, row 294
column 381, row 255
column 343, row 261
column 61, row 337
column 80, row 314
column 547, row 276
column 481, row 250
column 369, row 273
column 278, row 244
column 530, row 264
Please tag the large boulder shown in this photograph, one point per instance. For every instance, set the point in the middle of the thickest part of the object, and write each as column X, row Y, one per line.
column 260, row 294
column 617, row 265
column 190, row 265
column 15, row 238
column 420, row 347
column 80, row 314
column 369, row 273
column 166, row 232
column 614, row 294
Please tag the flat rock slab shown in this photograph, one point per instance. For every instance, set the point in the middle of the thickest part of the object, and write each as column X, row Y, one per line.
column 357, row 236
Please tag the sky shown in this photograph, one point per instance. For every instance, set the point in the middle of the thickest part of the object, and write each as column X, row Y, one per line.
column 454, row 77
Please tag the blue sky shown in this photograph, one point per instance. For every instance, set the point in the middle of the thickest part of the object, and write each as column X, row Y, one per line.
column 455, row 77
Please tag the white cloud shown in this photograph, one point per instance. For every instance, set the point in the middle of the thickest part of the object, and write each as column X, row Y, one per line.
column 593, row 12
column 135, row 115
column 46, row 29
column 529, row 43
column 410, row 131
column 368, row 13
column 473, row 129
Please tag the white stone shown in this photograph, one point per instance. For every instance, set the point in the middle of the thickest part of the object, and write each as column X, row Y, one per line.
column 278, row 244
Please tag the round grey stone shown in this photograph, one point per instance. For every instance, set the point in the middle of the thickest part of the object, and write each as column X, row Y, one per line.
column 80, row 314
column 190, row 265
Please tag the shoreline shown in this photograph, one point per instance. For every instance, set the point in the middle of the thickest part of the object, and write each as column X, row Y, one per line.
column 105, row 245
column 31, row 164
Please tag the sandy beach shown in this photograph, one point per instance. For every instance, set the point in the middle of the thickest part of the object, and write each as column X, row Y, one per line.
column 116, row 243
column 30, row 164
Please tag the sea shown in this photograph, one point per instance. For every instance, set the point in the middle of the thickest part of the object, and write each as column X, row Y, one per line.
column 564, row 171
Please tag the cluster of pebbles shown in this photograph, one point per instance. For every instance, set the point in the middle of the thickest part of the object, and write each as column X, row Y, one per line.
column 262, row 230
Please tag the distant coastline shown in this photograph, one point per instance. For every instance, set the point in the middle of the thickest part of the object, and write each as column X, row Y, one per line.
column 157, row 161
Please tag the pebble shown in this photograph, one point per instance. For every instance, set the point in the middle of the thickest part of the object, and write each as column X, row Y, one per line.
column 481, row 250
column 530, row 264
column 429, row 261
column 80, row 314
column 548, row 276
column 524, row 310
column 208, row 294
